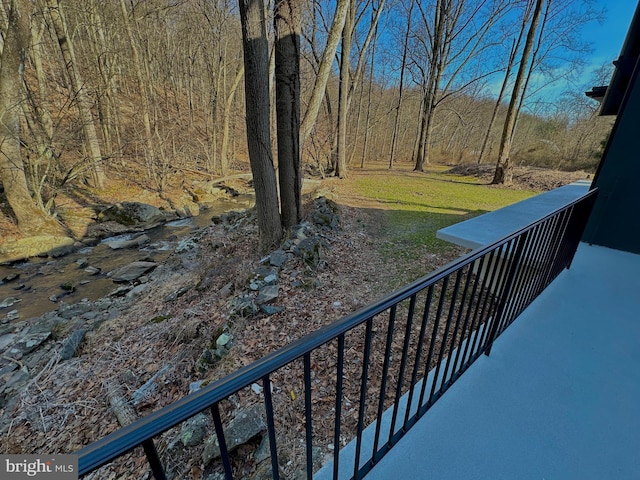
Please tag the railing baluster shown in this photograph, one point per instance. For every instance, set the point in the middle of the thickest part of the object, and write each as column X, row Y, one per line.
column 307, row 413
column 453, row 346
column 271, row 427
column 153, row 459
column 336, row 434
column 222, row 442
column 483, row 299
column 470, row 308
column 403, row 363
column 434, row 335
column 363, row 395
column 383, row 380
column 416, row 363
column 443, row 342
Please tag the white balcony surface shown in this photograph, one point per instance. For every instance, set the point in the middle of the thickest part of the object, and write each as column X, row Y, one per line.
column 559, row 397
column 492, row 226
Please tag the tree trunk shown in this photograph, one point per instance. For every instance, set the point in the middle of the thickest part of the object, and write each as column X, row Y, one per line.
column 504, row 168
column 324, row 70
column 31, row 220
column 97, row 175
column 256, row 66
column 403, row 66
column 224, row 150
column 343, row 95
column 287, row 23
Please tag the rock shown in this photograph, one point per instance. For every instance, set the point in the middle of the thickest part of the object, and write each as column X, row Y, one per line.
column 30, row 342
column 13, row 383
column 10, row 278
column 186, row 245
column 223, row 340
column 92, row 270
column 128, row 243
column 177, row 294
column 12, row 315
column 6, row 340
column 68, row 287
column 69, row 311
column 267, row 294
column 9, row 301
column 82, row 262
column 137, row 291
column 247, row 424
column 242, row 306
column 262, row 276
column 132, row 271
column 270, row 310
column 71, row 343
column 309, row 250
column 132, row 213
column 278, row 258
column 192, row 431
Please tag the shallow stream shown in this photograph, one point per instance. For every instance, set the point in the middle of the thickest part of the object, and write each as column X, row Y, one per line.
column 34, row 287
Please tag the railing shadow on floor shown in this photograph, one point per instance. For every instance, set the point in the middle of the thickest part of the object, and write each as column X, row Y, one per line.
column 398, row 355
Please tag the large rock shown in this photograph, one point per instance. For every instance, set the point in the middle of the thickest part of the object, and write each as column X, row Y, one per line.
column 247, row 425
column 132, row 214
column 132, row 271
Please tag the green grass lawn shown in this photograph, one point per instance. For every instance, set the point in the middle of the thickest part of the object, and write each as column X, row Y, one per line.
column 417, row 205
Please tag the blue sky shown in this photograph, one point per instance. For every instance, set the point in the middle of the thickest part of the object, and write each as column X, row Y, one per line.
column 608, row 37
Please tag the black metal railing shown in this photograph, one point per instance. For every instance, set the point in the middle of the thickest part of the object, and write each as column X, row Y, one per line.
column 383, row 366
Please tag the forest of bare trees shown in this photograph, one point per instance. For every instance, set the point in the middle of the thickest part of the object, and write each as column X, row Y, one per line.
column 148, row 89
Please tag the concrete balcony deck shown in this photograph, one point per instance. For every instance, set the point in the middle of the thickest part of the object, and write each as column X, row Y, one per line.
column 559, row 397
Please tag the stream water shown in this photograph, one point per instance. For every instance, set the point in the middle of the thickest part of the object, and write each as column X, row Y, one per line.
column 33, row 287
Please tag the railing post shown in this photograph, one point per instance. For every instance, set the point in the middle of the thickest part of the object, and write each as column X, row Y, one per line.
column 522, row 240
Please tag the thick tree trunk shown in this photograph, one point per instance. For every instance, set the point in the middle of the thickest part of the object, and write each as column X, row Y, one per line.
column 31, row 219
column 97, row 175
column 287, row 19
column 504, row 168
column 256, row 66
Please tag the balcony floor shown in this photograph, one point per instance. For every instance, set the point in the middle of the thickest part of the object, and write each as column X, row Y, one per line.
column 559, row 397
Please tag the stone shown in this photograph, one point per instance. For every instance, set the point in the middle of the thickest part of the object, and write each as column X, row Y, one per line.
column 243, row 306
column 92, row 270
column 128, row 243
column 137, row 291
column 267, row 294
column 278, row 258
column 132, row 271
column 82, row 262
column 177, row 294
column 309, row 250
column 12, row 315
column 132, row 213
column 223, row 340
column 71, row 343
column 9, row 301
column 246, row 425
column 31, row 342
column 270, row 310
column 10, row 278
column 192, row 431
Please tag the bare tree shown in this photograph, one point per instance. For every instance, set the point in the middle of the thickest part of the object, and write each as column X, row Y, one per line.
column 504, row 168
column 287, row 20
column 256, row 65
column 97, row 175
column 31, row 219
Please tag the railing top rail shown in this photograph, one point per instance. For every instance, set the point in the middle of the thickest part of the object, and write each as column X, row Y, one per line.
column 127, row 438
